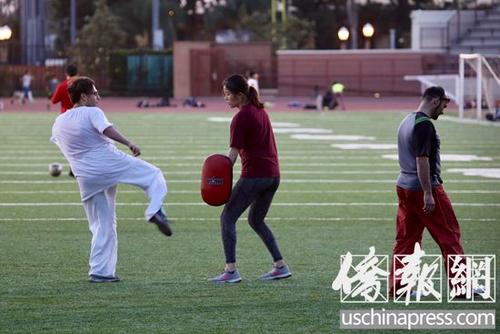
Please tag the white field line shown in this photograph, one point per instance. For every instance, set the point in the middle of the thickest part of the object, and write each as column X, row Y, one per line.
column 185, row 135
column 167, row 145
column 449, row 157
column 284, row 148
column 298, row 172
column 202, row 157
column 199, row 157
column 321, row 181
column 289, row 146
column 377, row 181
column 282, row 134
column 346, row 164
column 189, row 136
column 166, row 151
column 286, row 204
column 193, row 219
column 175, row 148
column 469, row 121
column 282, row 164
column 177, row 192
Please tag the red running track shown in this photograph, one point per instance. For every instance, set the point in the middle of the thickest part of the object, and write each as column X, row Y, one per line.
column 217, row 104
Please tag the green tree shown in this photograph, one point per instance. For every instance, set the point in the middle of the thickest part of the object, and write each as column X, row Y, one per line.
column 296, row 34
column 97, row 39
column 136, row 14
column 59, row 19
column 253, row 16
column 327, row 17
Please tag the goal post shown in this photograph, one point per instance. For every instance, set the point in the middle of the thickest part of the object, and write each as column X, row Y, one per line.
column 478, row 84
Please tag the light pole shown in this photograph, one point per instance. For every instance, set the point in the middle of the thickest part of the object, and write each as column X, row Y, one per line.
column 368, row 32
column 72, row 21
column 5, row 35
column 353, row 19
column 343, row 35
column 156, row 32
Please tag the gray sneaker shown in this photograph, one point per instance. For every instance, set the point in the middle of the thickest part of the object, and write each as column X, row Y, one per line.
column 277, row 273
column 163, row 223
column 227, row 277
column 103, row 279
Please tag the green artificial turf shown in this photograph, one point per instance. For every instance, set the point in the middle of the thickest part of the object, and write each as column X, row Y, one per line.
column 164, row 289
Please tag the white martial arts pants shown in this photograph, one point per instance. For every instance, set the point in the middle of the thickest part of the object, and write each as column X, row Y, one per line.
column 101, row 214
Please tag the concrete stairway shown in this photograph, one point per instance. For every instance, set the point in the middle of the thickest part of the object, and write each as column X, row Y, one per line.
column 483, row 37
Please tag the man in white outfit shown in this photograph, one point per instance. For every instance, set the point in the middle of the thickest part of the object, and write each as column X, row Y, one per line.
column 26, row 84
column 85, row 137
column 253, row 80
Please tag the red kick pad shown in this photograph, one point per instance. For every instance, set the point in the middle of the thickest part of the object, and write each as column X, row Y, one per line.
column 216, row 179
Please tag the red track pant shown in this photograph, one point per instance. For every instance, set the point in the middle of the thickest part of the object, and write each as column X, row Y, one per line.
column 442, row 225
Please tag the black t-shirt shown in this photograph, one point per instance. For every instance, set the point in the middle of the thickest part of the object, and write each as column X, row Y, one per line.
column 426, row 143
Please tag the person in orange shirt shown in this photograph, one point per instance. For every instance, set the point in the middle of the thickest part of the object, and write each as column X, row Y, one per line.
column 61, row 94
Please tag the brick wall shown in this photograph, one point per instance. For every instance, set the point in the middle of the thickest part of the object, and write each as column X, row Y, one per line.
column 363, row 72
column 200, row 67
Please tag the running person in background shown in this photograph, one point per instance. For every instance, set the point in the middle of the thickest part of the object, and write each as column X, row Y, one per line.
column 252, row 138
column 423, row 202
column 51, row 89
column 253, row 80
column 85, row 137
column 61, row 94
column 26, row 80
column 17, row 94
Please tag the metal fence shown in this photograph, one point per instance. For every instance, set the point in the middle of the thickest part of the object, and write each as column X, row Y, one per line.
column 128, row 73
column 141, row 74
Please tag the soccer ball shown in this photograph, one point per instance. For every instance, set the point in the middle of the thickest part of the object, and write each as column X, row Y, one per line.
column 55, row 169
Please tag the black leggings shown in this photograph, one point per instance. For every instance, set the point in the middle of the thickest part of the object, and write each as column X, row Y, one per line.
column 258, row 194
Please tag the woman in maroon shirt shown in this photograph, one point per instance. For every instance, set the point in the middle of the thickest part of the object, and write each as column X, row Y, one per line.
column 252, row 138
